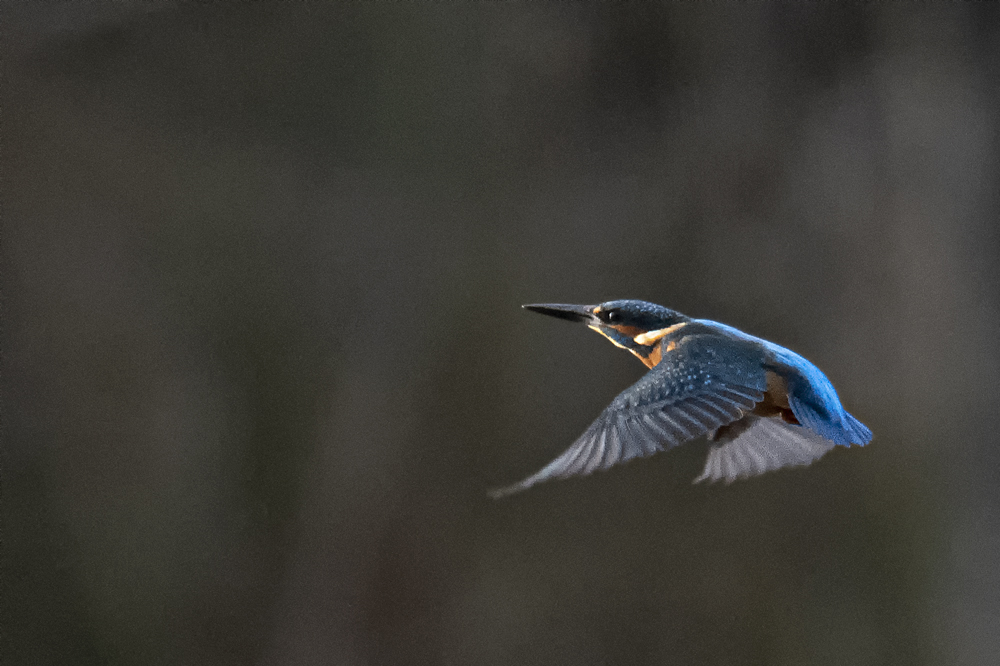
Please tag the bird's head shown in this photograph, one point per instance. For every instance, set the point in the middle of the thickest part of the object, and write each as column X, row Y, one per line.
column 633, row 325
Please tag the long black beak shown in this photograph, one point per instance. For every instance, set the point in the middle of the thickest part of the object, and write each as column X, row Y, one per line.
column 577, row 313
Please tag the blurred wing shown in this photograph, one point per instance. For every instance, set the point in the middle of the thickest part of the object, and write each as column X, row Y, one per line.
column 766, row 444
column 703, row 384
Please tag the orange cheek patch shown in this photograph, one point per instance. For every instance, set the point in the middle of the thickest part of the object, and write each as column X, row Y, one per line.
column 628, row 331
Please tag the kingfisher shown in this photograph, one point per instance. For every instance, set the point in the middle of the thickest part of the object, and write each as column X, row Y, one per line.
column 760, row 405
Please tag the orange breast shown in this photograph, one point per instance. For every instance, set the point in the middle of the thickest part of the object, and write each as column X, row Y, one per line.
column 775, row 402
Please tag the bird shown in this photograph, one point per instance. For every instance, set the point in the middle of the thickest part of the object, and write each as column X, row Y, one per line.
column 761, row 406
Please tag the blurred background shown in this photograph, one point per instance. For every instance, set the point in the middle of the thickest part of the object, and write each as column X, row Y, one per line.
column 263, row 354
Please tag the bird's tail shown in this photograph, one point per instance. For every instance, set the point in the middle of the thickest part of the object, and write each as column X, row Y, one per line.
column 860, row 434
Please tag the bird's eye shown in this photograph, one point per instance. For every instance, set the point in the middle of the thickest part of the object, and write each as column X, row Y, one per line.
column 611, row 315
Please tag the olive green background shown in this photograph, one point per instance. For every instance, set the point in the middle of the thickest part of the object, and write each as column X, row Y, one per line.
column 262, row 351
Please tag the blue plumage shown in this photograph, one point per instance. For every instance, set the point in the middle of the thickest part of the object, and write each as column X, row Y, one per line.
column 762, row 406
column 811, row 395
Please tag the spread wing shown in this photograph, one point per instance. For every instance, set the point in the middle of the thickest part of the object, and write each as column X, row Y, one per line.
column 703, row 384
column 757, row 444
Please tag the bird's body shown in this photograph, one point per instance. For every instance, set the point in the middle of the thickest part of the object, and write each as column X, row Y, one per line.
column 762, row 406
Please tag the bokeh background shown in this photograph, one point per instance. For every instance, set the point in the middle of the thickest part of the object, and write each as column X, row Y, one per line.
column 263, row 355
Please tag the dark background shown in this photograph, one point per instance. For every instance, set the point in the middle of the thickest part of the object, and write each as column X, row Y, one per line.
column 263, row 355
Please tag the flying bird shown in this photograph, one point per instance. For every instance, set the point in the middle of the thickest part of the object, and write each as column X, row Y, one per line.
column 761, row 406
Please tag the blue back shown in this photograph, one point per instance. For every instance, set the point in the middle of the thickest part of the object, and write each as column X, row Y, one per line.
column 811, row 396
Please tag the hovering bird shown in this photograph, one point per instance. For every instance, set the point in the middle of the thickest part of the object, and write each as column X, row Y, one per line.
column 762, row 406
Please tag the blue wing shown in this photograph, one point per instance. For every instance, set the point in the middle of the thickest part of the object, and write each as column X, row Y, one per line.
column 710, row 384
column 703, row 384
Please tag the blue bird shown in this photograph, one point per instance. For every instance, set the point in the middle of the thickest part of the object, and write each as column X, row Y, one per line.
column 762, row 406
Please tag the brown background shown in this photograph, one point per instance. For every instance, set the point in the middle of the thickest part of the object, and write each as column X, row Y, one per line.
column 263, row 356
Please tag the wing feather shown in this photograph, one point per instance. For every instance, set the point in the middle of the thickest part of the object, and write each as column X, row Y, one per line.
column 703, row 418
column 768, row 444
column 658, row 430
column 698, row 387
column 613, row 450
